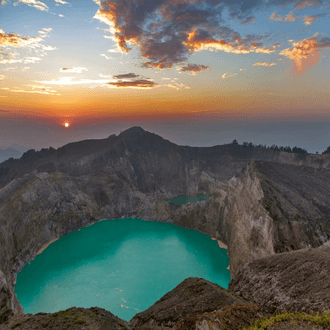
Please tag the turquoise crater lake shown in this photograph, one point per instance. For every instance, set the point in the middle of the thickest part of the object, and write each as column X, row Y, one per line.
column 123, row 266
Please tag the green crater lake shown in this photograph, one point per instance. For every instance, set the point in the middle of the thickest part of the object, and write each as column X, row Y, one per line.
column 123, row 266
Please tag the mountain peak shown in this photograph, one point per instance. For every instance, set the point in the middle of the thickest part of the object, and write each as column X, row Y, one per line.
column 133, row 132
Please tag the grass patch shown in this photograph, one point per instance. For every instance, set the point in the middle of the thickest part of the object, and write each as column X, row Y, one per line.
column 322, row 319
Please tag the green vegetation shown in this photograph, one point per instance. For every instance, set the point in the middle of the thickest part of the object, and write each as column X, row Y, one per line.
column 326, row 151
column 296, row 150
column 322, row 319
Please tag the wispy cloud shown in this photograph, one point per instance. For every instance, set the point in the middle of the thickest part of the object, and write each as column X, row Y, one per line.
column 126, row 76
column 249, row 20
column 138, row 83
column 32, row 89
column 8, row 41
column 302, row 4
column 264, row 64
column 63, row 81
column 33, row 3
column 228, row 75
column 178, row 86
column 2, row 76
column 73, row 70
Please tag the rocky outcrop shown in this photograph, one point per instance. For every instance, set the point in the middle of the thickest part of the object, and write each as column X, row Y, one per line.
column 192, row 296
column 72, row 319
column 233, row 317
column 291, row 281
column 262, row 211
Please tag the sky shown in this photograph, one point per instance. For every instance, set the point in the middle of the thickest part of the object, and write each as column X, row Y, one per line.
column 197, row 72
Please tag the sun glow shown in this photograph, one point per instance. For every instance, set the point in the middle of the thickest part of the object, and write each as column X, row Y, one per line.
column 66, row 124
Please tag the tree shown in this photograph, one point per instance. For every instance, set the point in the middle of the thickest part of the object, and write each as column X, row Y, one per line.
column 326, row 151
column 235, row 141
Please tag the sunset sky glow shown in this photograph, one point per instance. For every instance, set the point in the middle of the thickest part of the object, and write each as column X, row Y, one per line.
column 220, row 69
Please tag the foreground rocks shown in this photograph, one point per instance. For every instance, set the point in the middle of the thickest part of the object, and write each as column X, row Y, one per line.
column 191, row 297
column 294, row 281
column 73, row 318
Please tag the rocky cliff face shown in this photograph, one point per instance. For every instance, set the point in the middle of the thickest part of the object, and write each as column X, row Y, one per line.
column 269, row 208
column 290, row 281
column 258, row 213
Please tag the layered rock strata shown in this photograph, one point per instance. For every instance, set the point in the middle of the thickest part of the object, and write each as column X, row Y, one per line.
column 290, row 281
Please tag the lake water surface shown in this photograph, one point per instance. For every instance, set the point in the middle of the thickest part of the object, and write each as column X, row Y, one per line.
column 122, row 265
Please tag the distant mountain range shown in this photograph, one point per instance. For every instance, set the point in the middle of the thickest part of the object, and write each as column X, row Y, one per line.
column 13, row 151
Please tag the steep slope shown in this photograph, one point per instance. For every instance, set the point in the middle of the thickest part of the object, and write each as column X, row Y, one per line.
column 267, row 209
column 291, row 281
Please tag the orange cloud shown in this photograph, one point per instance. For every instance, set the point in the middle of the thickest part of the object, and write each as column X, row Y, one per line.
column 307, row 3
column 291, row 17
column 305, row 49
column 13, row 40
column 264, row 64
column 195, row 43
column 308, row 20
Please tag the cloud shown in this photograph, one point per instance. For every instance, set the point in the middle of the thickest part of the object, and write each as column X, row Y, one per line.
column 264, row 64
column 199, row 40
column 138, row 83
column 34, row 89
column 164, row 30
column 69, row 81
column 31, row 44
column 73, row 70
column 60, row 15
column 178, row 86
column 14, row 40
column 249, row 20
column 61, row 2
column 45, row 32
column 308, row 20
column 2, row 76
column 193, row 68
column 126, row 76
column 228, row 75
column 33, row 3
column 291, row 17
column 306, row 49
column 307, row 3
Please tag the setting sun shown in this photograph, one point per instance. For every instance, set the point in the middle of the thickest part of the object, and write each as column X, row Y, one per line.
column 66, row 124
